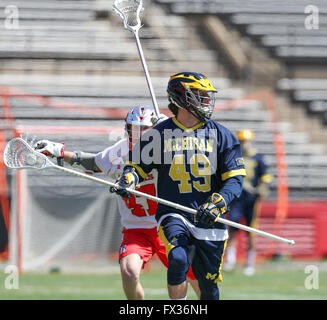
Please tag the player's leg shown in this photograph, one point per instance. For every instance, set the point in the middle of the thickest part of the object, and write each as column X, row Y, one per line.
column 178, row 291
column 252, row 220
column 231, row 255
column 178, row 266
column 161, row 252
column 181, row 290
column 207, row 266
column 130, row 269
column 235, row 214
column 175, row 236
column 195, row 285
column 134, row 252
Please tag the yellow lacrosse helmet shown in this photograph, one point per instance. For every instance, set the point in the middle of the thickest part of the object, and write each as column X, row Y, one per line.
column 193, row 92
column 245, row 135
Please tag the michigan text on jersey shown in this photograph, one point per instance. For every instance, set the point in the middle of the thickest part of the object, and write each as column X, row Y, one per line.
column 188, row 143
column 161, row 147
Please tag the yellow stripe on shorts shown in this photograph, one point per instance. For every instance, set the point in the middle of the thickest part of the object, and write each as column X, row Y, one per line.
column 167, row 244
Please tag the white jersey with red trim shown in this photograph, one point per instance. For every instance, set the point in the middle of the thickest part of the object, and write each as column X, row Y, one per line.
column 136, row 212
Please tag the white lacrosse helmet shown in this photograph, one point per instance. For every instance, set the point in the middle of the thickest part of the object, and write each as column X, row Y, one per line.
column 137, row 121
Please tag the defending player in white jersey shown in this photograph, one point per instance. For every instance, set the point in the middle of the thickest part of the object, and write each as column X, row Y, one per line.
column 140, row 241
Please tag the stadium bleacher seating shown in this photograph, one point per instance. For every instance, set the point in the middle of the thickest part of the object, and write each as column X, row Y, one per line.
column 311, row 92
column 51, row 35
column 279, row 28
column 278, row 25
column 70, row 72
column 66, row 53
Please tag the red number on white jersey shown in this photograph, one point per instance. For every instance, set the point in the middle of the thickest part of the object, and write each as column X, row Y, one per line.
column 141, row 206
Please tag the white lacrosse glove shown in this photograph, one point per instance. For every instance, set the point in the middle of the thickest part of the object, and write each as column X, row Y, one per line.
column 49, row 148
column 155, row 120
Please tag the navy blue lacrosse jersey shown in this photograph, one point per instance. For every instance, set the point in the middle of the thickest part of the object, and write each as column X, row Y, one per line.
column 246, row 205
column 256, row 169
column 192, row 163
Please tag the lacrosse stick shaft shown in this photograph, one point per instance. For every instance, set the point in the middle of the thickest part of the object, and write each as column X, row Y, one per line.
column 130, row 13
column 147, row 75
column 174, row 205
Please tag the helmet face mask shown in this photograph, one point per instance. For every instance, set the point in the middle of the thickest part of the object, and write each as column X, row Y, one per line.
column 134, row 133
column 138, row 120
column 194, row 93
column 200, row 103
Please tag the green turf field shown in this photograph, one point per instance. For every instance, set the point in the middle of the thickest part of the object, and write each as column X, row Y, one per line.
column 273, row 281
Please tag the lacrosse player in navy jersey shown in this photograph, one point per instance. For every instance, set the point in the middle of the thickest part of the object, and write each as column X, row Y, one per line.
column 200, row 165
column 140, row 241
column 255, row 188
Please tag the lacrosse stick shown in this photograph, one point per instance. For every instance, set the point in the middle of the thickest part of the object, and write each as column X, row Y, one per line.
column 19, row 154
column 129, row 11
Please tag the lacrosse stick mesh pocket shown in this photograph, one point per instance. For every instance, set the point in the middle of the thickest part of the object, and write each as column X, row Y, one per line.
column 129, row 9
column 19, row 154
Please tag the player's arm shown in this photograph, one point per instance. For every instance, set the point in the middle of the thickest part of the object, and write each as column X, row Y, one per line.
column 217, row 203
column 128, row 180
column 78, row 159
column 134, row 171
column 265, row 179
column 132, row 175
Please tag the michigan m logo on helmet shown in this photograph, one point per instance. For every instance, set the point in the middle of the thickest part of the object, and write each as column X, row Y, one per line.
column 193, row 92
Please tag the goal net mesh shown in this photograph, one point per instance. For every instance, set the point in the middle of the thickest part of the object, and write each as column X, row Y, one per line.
column 63, row 222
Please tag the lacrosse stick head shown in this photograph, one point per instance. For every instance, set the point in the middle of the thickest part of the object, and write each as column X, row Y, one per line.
column 18, row 154
column 129, row 11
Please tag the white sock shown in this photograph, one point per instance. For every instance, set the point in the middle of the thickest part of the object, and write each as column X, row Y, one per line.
column 251, row 258
column 179, row 298
column 231, row 255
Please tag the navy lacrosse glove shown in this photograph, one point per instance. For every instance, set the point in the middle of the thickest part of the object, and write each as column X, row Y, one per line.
column 129, row 179
column 211, row 210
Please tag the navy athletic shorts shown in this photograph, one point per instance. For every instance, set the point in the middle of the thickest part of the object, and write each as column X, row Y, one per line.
column 205, row 256
column 244, row 207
